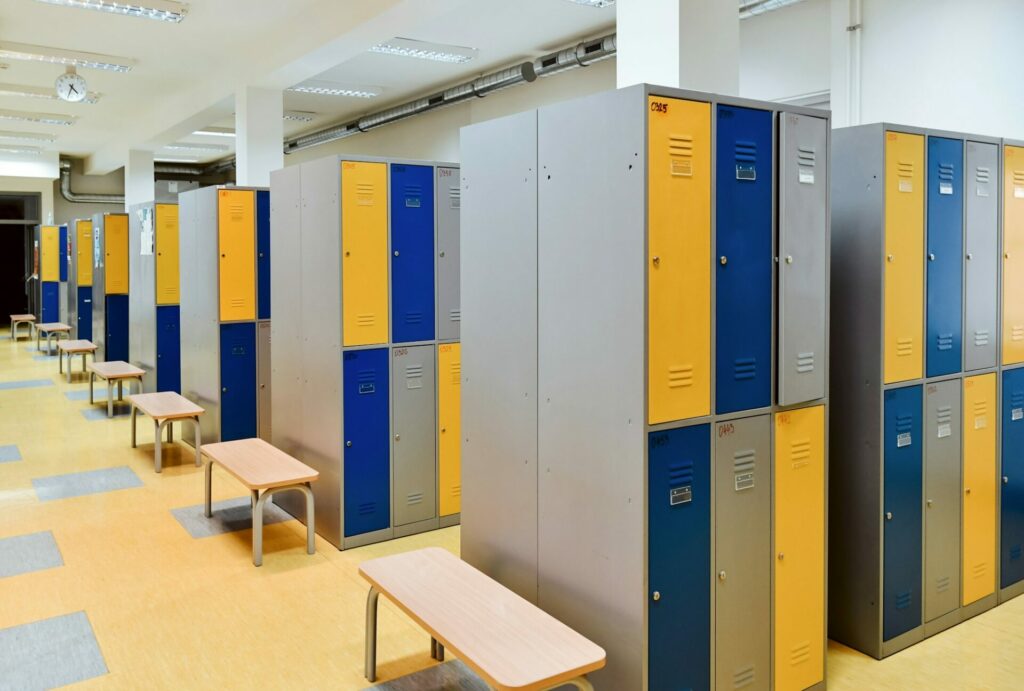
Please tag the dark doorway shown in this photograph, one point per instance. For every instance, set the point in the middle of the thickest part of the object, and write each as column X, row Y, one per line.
column 19, row 214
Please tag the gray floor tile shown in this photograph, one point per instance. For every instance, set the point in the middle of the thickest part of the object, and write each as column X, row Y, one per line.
column 89, row 482
column 9, row 452
column 25, row 384
column 49, row 653
column 95, row 413
column 228, row 516
column 448, row 676
column 26, row 553
column 44, row 358
column 100, row 394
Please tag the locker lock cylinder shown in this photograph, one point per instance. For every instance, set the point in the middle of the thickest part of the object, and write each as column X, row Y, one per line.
column 656, row 596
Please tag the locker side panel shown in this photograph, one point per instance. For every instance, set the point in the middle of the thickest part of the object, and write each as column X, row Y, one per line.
column 743, row 556
column 901, row 578
column 263, row 391
column 412, row 253
column 448, row 203
column 50, row 302
column 168, row 255
column 945, row 247
column 1013, row 255
column 981, row 265
column 236, row 237
column 904, row 245
column 238, row 381
column 367, row 481
column 84, row 318
column 62, row 245
column 1011, row 566
column 449, row 428
column 979, row 486
column 800, row 548
column 803, row 252
column 413, row 384
column 678, row 566
column 942, row 437
column 115, row 228
column 364, row 266
column 99, row 299
column 262, row 254
column 743, row 273
column 142, row 333
column 49, row 270
column 83, row 253
column 679, row 262
column 168, row 348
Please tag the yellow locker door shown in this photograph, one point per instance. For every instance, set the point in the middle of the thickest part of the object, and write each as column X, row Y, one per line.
column 979, row 490
column 679, row 261
column 83, row 248
column 799, row 607
column 364, row 248
column 1013, row 256
column 904, row 256
column 50, row 246
column 168, row 290
column 115, row 231
column 236, row 234
column 449, row 416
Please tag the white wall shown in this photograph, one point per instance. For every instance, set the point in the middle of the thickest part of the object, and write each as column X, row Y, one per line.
column 786, row 53
column 41, row 185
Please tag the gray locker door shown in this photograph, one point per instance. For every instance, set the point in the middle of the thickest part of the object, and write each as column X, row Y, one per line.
column 414, row 396
column 981, row 260
column 743, row 554
column 449, row 312
column 263, row 379
column 803, row 255
column 942, row 499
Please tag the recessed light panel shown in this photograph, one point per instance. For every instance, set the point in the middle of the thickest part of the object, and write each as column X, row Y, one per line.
column 42, row 118
column 215, row 132
column 329, row 89
column 299, row 115
column 26, row 136
column 58, row 56
column 590, row 3
column 47, row 93
column 8, row 149
column 212, row 148
column 161, row 10
column 423, row 50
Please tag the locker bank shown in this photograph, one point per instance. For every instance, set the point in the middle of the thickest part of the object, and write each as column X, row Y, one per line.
column 645, row 275
column 110, row 284
column 52, row 242
column 80, row 265
column 366, row 361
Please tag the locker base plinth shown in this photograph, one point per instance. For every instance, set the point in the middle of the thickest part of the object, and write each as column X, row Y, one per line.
column 977, row 607
column 414, row 528
column 450, row 520
column 1011, row 591
column 902, row 642
column 367, row 538
column 939, row 624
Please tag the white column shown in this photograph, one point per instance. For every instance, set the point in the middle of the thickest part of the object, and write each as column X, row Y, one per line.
column 139, row 181
column 691, row 44
column 259, row 135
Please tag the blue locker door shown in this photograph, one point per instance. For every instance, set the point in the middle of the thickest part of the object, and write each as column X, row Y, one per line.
column 168, row 348
column 945, row 249
column 84, row 313
column 237, row 381
column 263, row 254
column 63, row 240
column 743, row 237
column 679, row 558
column 367, row 441
column 901, row 588
column 51, row 302
column 412, row 253
column 1012, row 509
column 117, row 328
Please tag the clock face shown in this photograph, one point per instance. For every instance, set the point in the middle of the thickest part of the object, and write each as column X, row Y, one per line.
column 71, row 87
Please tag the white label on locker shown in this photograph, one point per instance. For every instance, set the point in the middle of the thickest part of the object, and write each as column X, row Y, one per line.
column 945, row 188
column 945, row 430
column 744, row 481
column 906, row 185
column 1018, row 192
column 1017, row 414
column 680, row 495
column 746, row 172
column 682, row 167
column 806, row 177
column 367, row 388
column 903, row 440
column 982, row 191
column 412, row 202
column 980, row 422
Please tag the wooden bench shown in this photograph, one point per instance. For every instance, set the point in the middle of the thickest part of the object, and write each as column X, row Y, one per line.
column 165, row 408
column 18, row 319
column 51, row 329
column 114, row 371
column 265, row 470
column 71, row 348
column 509, row 642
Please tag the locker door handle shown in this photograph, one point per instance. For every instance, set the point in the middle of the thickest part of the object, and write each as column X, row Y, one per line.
column 396, row 253
column 931, row 256
column 970, row 256
column 1005, row 480
column 721, row 576
column 967, row 491
column 888, row 515
column 789, row 258
column 781, row 556
column 929, row 503
column 224, row 390
column 443, row 430
column 723, row 260
column 655, row 596
column 398, row 437
column 442, row 253
column 348, row 443
column 347, row 253
column 656, row 261
column 891, row 257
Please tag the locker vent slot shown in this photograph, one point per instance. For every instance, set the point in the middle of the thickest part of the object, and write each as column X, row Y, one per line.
column 982, row 175
column 944, row 415
column 1015, row 552
column 946, row 172
column 800, row 453
column 1017, row 332
column 746, row 160
column 366, row 194
column 680, row 376
column 979, row 570
column 456, row 490
column 744, row 368
column 456, row 373
column 904, row 599
column 237, row 302
column 905, row 169
column 413, row 196
column 368, row 508
column 1017, row 399
column 680, row 474
column 805, row 362
column 981, row 338
column 980, row 408
column 236, row 209
column 455, row 198
column 800, row 653
column 413, row 317
column 680, row 149
column 743, row 677
column 805, row 157
column 942, row 584
column 904, row 423
column 366, row 319
column 904, row 347
column 743, row 463
column 414, row 498
column 366, row 381
column 414, row 376
column 455, row 315
column 945, row 341
column 1018, row 177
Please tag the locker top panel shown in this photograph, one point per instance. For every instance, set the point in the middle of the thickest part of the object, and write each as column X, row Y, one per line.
column 720, row 99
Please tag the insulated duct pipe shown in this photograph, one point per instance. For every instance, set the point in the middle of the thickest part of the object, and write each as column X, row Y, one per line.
column 83, row 198
column 159, row 169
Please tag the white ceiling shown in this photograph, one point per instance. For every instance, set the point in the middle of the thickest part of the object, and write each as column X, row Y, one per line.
column 187, row 73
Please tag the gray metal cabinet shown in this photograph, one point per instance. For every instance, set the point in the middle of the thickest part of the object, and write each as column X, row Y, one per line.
column 743, row 553
column 449, row 312
column 981, row 259
column 263, row 380
column 803, row 252
column 413, row 385
column 942, row 498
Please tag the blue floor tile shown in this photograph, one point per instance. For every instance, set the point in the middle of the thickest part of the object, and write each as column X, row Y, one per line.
column 83, row 395
column 9, row 453
column 49, row 653
column 100, row 412
column 26, row 553
column 89, row 482
column 25, row 384
column 229, row 516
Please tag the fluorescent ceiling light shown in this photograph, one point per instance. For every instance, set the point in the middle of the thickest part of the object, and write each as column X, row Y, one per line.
column 752, row 8
column 26, row 136
column 214, row 132
column 57, row 56
column 43, row 118
column 175, row 160
column 588, row 3
column 299, row 115
column 162, row 10
column 439, row 52
column 8, row 149
column 321, row 88
column 48, row 93
column 214, row 148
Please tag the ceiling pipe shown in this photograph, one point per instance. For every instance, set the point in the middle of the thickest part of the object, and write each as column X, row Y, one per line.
column 160, row 171
column 83, row 198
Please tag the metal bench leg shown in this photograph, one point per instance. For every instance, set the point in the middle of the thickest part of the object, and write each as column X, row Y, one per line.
column 257, row 530
column 209, row 488
column 371, row 636
column 436, row 650
column 120, row 389
column 60, row 365
column 134, row 416
column 170, row 431
column 199, row 441
column 110, row 398
column 92, row 379
column 440, row 652
column 310, row 517
column 158, row 429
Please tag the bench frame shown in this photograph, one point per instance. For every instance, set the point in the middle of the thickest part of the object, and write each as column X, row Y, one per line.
column 15, row 323
column 158, row 427
column 110, row 388
column 50, row 337
column 71, row 356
